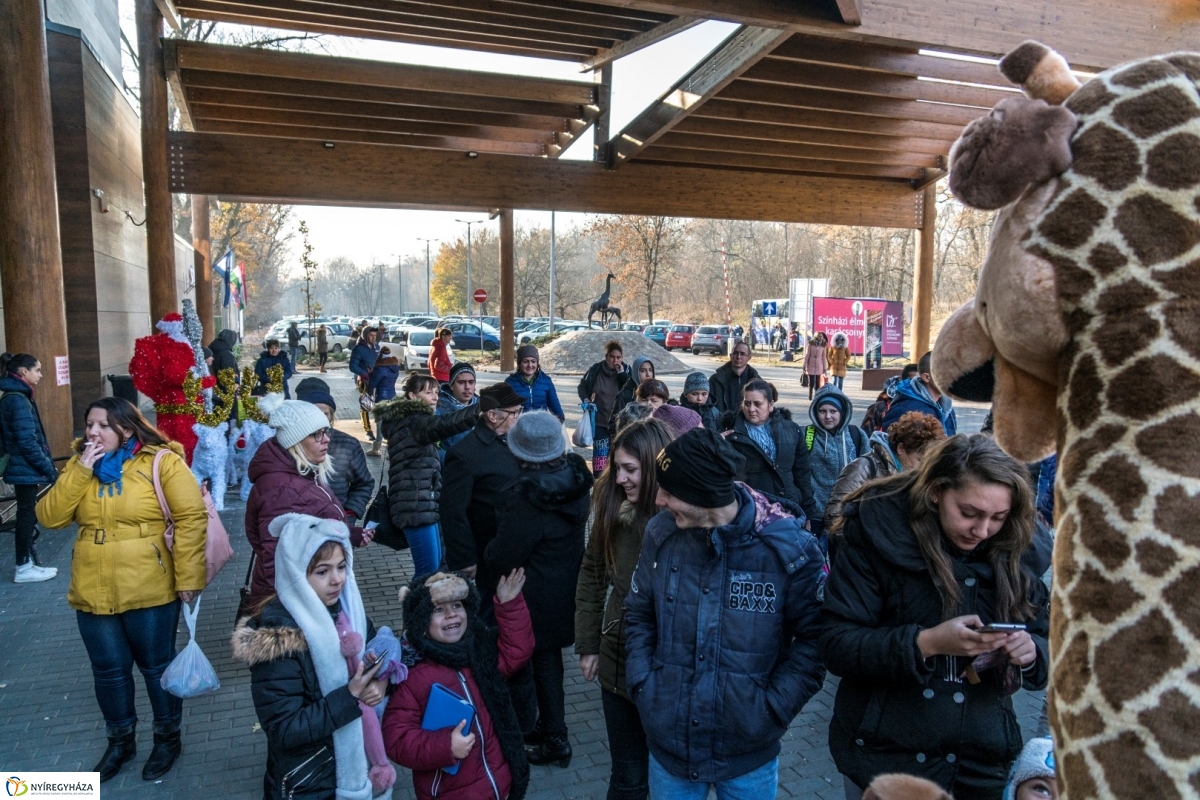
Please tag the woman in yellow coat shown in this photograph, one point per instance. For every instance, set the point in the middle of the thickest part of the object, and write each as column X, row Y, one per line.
column 126, row 585
column 839, row 358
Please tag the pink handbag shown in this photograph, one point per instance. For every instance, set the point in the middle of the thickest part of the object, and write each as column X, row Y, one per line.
column 217, row 550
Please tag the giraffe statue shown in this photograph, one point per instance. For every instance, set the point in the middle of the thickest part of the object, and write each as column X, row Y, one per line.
column 601, row 303
column 1085, row 334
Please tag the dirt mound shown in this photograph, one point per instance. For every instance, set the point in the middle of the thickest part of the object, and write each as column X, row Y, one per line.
column 574, row 352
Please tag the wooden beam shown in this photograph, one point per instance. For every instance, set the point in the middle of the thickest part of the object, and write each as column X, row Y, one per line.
column 834, row 52
column 160, row 227
column 923, row 277
column 170, row 14
column 851, row 11
column 813, row 136
column 361, row 72
column 31, row 267
column 739, row 53
column 639, row 42
column 601, row 132
column 760, row 147
column 316, row 133
column 930, row 177
column 828, row 100
column 175, row 81
column 297, row 171
column 675, row 156
column 202, row 247
column 836, row 121
column 507, row 296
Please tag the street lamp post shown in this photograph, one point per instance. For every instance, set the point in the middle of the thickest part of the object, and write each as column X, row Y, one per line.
column 428, row 282
column 470, row 299
column 551, row 272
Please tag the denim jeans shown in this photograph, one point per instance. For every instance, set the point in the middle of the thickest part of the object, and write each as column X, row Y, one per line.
column 26, row 519
column 839, row 380
column 548, row 671
column 292, row 353
column 760, row 784
column 114, row 642
column 627, row 748
column 425, row 543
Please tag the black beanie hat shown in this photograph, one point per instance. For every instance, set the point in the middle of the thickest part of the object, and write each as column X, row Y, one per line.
column 503, row 395
column 699, row 468
column 458, row 368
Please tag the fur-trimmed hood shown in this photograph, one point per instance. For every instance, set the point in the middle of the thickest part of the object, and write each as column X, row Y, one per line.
column 398, row 409
column 270, row 635
column 564, row 489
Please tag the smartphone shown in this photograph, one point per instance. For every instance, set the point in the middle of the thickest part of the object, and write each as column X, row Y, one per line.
column 370, row 661
column 1002, row 627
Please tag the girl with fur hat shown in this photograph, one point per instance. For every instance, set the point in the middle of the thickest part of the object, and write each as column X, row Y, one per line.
column 312, row 693
column 461, row 653
column 816, row 361
column 839, row 359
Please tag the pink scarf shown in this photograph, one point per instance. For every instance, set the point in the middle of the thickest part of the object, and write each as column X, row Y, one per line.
column 382, row 774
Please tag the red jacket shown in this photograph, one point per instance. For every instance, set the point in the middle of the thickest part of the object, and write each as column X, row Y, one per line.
column 427, row 752
column 439, row 361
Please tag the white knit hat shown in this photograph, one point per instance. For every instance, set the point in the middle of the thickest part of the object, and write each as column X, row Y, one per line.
column 292, row 420
column 1036, row 761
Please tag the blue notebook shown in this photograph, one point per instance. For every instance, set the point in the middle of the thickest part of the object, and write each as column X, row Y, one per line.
column 446, row 709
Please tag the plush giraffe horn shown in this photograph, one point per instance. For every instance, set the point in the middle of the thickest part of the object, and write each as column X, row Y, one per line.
column 1041, row 72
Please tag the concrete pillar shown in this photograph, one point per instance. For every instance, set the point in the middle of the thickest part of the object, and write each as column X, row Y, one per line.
column 160, row 234
column 202, row 245
column 923, row 279
column 31, row 270
column 507, row 301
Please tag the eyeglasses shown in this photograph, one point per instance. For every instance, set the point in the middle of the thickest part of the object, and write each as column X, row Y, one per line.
column 324, row 433
column 516, row 412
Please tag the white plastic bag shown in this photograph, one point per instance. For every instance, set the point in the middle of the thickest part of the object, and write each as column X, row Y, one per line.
column 190, row 674
column 583, row 436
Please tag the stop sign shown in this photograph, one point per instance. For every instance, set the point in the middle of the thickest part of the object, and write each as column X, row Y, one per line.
column 480, row 295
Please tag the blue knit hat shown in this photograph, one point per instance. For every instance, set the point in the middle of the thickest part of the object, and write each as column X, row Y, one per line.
column 1036, row 761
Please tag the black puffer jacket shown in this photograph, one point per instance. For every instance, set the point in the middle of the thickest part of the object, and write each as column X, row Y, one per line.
column 788, row 476
column 297, row 718
column 222, row 350
column 710, row 415
column 725, row 388
column 897, row 712
column 542, row 530
column 414, row 469
column 351, row 482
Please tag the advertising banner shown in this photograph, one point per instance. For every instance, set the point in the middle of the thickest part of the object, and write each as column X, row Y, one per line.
column 884, row 323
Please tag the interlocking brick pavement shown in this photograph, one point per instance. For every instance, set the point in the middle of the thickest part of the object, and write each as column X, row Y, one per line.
column 49, row 719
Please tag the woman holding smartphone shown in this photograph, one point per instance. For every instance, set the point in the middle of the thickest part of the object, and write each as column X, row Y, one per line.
column 927, row 560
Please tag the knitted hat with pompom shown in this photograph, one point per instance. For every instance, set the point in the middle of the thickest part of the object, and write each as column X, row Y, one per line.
column 292, row 420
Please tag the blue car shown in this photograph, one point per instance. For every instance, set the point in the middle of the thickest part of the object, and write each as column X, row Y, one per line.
column 656, row 334
column 466, row 336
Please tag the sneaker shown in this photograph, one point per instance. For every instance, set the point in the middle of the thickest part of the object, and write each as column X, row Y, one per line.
column 32, row 573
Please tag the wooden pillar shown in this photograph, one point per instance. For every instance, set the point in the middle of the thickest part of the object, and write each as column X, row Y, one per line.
column 160, row 234
column 31, row 270
column 923, row 279
column 202, row 244
column 600, row 131
column 507, row 301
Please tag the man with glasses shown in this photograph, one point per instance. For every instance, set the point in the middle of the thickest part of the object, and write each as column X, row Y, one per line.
column 726, row 384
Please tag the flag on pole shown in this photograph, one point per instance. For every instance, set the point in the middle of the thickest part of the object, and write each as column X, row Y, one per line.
column 224, row 268
column 237, row 281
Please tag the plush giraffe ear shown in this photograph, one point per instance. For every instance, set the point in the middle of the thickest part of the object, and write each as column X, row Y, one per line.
column 1020, row 143
column 1042, row 73
column 1023, row 411
column 963, row 357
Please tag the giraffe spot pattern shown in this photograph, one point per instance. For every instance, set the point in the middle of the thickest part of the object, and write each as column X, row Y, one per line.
column 1124, row 296
column 1073, row 672
column 1183, row 321
column 1090, row 98
column 1174, row 163
column 1084, row 393
column 1106, row 258
column 1183, row 280
column 1188, row 64
column 1155, row 559
column 1136, row 658
column 1176, row 513
column 1115, row 334
column 1108, row 156
column 1155, row 231
column 1077, row 776
column 1071, row 280
column 1154, row 112
column 1077, row 457
column 1175, row 724
column 1084, row 725
column 1143, row 73
column 1130, row 772
column 1105, row 542
column 1161, row 444
column 1183, row 599
column 1105, row 600
column 1130, row 395
column 1063, row 560
column 1121, row 480
column 1072, row 221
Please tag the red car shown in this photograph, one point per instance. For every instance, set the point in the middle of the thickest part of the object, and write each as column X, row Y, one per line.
column 680, row 336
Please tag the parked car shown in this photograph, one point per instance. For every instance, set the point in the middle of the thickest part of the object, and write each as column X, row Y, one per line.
column 679, row 336
column 710, row 338
column 416, row 351
column 469, row 336
column 656, row 334
column 632, row 326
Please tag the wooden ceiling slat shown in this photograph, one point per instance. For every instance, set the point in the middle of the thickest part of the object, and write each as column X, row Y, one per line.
column 360, row 72
column 702, row 158
column 729, row 144
column 818, row 76
column 376, row 110
column 608, row 14
column 639, row 42
column 719, row 108
column 817, row 136
column 826, row 100
column 813, row 49
column 379, row 94
column 204, row 113
column 335, row 135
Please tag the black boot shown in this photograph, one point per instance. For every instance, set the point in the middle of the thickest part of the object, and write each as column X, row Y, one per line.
column 122, row 747
column 167, row 748
column 554, row 749
column 535, row 736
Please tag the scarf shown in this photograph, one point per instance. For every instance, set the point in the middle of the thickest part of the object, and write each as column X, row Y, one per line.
column 110, row 466
column 761, row 434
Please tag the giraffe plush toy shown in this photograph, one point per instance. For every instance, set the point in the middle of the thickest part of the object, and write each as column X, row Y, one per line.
column 1085, row 335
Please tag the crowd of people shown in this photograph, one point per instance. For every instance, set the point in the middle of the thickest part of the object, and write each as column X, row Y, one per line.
column 709, row 566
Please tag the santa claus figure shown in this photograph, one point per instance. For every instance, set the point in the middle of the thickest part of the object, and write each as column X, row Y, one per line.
column 159, row 366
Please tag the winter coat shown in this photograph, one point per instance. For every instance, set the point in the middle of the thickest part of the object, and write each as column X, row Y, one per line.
column 279, row 488
column 880, row 462
column 426, row 753
column 448, row 404
column 587, row 387
column 599, row 613
column 722, row 626
column 912, row 395
column 477, row 473
column 898, row 712
column 725, row 388
column 625, row 395
column 839, row 358
column 540, row 395
column 710, row 415
column 414, row 469
column 293, row 336
column 322, row 340
column 296, row 717
column 362, row 359
column 121, row 561
column 542, row 529
column 222, row 350
column 382, row 383
column 265, row 362
column 788, row 475
column 351, row 482
column 440, row 361
column 815, row 360
column 829, row 452
column 24, row 437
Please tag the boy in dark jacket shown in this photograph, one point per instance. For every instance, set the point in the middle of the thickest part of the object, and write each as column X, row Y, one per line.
column 722, row 620
column 272, row 356
column 920, row 393
column 696, row 397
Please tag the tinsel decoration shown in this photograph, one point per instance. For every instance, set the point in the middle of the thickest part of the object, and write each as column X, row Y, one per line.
column 255, row 434
column 249, row 381
column 225, row 397
column 209, row 459
column 193, row 331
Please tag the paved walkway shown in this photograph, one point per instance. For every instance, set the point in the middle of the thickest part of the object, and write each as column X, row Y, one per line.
column 49, row 719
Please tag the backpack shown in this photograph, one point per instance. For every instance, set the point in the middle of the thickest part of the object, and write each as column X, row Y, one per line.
column 862, row 445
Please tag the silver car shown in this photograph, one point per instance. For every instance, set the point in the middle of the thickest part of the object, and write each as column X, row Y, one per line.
column 710, row 338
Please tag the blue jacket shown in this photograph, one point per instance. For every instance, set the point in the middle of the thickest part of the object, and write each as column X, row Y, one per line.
column 448, row 405
column 911, row 395
column 265, row 362
column 539, row 395
column 382, row 384
column 24, row 439
column 362, row 360
column 722, row 631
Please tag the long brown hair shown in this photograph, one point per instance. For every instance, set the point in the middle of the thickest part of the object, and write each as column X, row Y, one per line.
column 952, row 464
column 643, row 440
column 124, row 416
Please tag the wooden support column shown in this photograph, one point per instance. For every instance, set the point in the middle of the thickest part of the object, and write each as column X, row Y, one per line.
column 160, row 234
column 600, row 132
column 923, row 279
column 31, row 270
column 507, row 301
column 202, row 245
